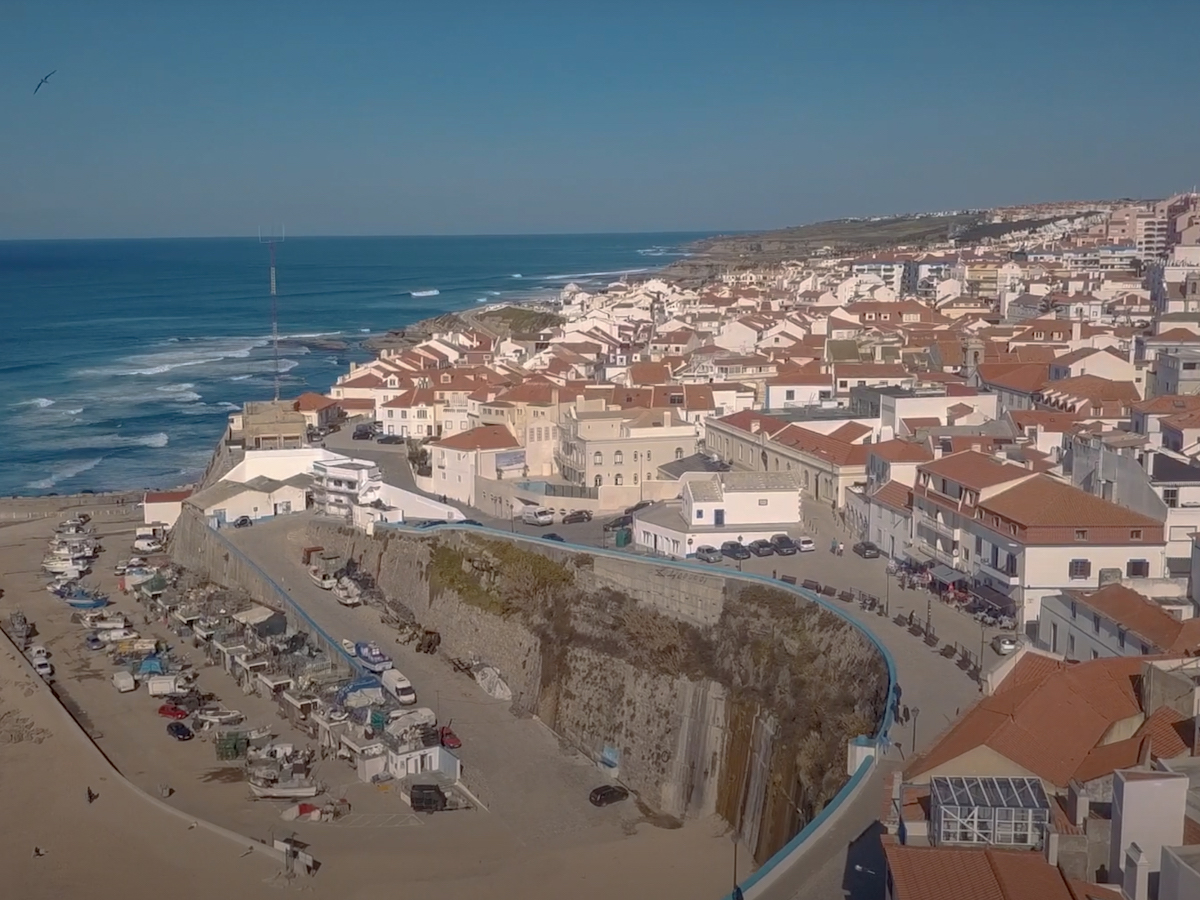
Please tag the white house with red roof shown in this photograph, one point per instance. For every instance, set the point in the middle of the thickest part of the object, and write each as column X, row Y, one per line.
column 163, row 507
column 488, row 451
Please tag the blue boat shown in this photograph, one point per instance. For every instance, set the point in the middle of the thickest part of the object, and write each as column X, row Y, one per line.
column 81, row 598
column 371, row 657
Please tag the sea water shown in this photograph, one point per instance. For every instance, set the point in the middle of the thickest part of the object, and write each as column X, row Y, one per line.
column 123, row 359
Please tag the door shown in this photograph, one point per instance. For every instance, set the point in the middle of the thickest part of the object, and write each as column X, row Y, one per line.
column 1053, row 637
column 718, row 517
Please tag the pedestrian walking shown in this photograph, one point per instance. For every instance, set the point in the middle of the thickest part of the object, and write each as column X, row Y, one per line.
column 775, row 573
column 904, row 713
column 90, row 795
column 841, row 548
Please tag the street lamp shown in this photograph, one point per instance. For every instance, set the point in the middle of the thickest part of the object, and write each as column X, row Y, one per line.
column 916, row 711
column 887, row 594
column 929, row 613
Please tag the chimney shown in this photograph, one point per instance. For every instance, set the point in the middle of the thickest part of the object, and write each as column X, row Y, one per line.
column 1076, row 329
column 1136, row 884
column 1078, row 803
column 755, row 426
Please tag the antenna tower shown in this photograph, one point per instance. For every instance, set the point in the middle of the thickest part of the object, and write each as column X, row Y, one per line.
column 271, row 240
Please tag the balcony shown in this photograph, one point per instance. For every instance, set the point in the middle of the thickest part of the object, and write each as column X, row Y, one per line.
column 998, row 575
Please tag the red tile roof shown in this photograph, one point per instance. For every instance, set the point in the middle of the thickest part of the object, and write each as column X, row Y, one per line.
column 745, row 420
column 822, row 446
column 894, row 494
column 945, row 873
column 1045, row 501
column 1046, row 725
column 166, row 496
column 1023, row 378
column 974, row 470
column 902, row 451
column 484, row 437
column 1168, row 404
column 1142, row 617
column 313, row 402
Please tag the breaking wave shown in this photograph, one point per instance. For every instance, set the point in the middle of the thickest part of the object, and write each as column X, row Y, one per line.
column 65, row 471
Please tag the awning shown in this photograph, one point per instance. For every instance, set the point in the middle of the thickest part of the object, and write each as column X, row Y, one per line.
column 1001, row 603
column 947, row 575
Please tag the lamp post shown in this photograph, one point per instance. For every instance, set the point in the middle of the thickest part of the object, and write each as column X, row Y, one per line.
column 916, row 711
column 982, row 644
column 929, row 613
column 887, row 594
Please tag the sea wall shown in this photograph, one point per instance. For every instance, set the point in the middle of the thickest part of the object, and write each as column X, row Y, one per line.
column 711, row 693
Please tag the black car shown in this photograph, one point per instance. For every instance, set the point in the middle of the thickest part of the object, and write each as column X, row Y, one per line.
column 618, row 523
column 179, row 731
column 390, row 439
column 243, row 522
column 554, row 537
column 866, row 550
column 576, row 516
column 735, row 550
column 637, row 507
column 470, row 522
column 607, row 794
column 783, row 545
column 761, row 548
column 364, row 435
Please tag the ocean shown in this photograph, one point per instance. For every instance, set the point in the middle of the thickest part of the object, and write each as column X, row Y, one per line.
column 123, row 359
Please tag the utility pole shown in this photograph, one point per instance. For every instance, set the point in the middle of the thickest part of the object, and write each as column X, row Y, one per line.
column 270, row 241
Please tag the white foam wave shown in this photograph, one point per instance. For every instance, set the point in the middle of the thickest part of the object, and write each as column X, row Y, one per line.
column 518, row 275
column 365, row 330
column 231, row 407
column 482, row 300
column 182, row 387
column 116, row 441
column 74, row 412
column 593, row 274
column 185, row 397
column 240, row 377
column 39, row 402
column 495, row 293
column 431, row 293
column 65, row 471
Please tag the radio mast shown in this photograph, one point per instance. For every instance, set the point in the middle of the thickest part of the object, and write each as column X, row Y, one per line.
column 270, row 240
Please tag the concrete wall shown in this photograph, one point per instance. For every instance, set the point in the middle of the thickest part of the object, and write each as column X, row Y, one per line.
column 680, row 738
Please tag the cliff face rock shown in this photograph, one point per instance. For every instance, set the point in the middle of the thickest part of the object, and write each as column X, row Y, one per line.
column 710, row 694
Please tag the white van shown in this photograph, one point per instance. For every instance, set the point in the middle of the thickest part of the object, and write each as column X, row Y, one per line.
column 537, row 515
column 399, row 687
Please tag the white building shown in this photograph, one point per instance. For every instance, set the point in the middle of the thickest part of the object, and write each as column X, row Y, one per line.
column 712, row 509
column 340, row 485
column 1116, row 621
column 489, row 451
column 163, row 507
column 259, row 498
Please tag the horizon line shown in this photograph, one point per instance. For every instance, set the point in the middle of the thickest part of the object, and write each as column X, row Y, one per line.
column 239, row 237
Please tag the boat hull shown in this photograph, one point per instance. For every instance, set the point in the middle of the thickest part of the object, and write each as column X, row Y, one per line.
column 284, row 791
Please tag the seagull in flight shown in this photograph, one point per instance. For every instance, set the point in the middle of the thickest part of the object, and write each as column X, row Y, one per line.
column 43, row 81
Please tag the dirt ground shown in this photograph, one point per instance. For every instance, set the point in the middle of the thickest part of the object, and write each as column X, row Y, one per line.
column 123, row 844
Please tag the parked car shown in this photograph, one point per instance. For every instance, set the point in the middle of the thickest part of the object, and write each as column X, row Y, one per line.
column 867, row 550
column 735, row 550
column 475, row 522
column 1004, row 644
column 42, row 666
column 761, row 548
column 618, row 523
column 553, row 536
column 171, row 711
column 363, row 434
column 390, row 439
column 537, row 515
column 243, row 522
column 806, row 545
column 637, row 507
column 783, row 544
column 92, row 642
column 449, row 739
column 179, row 731
column 607, row 794
column 708, row 554
column 37, row 651
column 576, row 516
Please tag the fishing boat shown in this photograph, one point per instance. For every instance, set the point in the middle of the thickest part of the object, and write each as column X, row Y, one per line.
column 220, row 716
column 348, row 593
column 65, row 564
column 84, row 599
column 371, row 657
column 285, row 790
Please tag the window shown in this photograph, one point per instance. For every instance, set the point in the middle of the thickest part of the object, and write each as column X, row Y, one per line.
column 1071, row 643
column 679, row 453
column 1095, row 654
column 599, row 480
column 635, row 456
column 842, row 384
column 1081, row 534
column 647, row 456
column 1121, row 637
column 978, row 546
column 1171, row 497
column 618, row 480
column 635, row 477
column 422, row 414
column 699, row 514
column 597, row 458
column 1135, row 534
column 762, row 502
column 789, row 395
column 618, row 458
column 1079, row 569
column 1012, row 529
column 1137, row 568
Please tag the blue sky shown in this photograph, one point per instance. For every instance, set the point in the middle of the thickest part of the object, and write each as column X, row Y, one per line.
column 178, row 119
